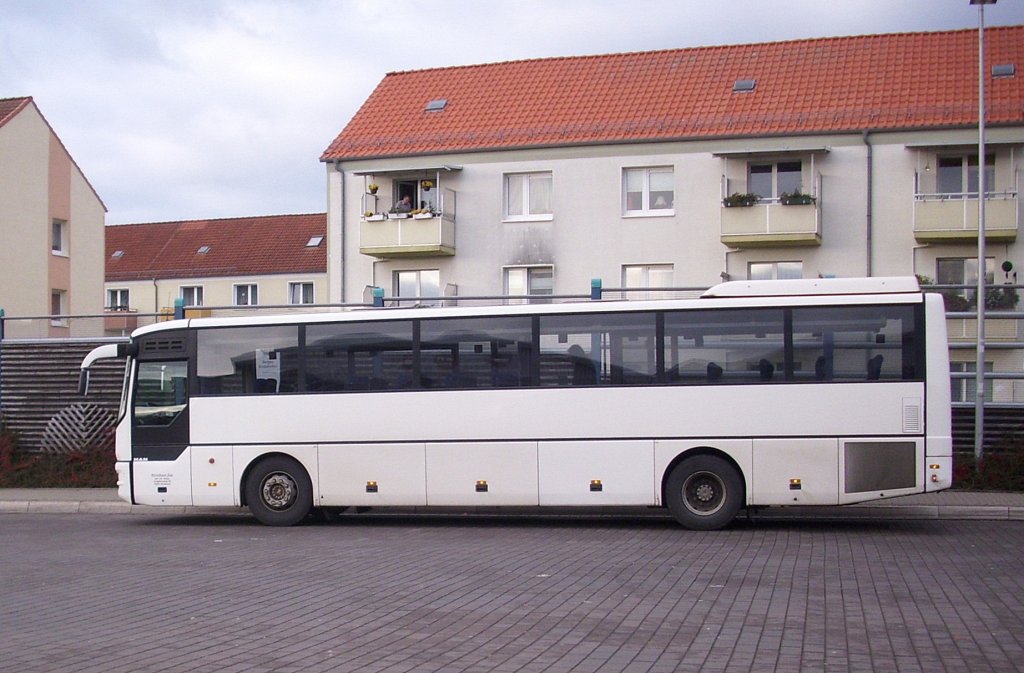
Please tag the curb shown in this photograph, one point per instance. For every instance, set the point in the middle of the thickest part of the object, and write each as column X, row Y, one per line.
column 850, row 512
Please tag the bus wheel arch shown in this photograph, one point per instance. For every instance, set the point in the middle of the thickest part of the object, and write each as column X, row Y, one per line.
column 704, row 488
column 277, row 489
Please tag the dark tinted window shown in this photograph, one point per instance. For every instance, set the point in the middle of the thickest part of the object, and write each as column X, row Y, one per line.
column 247, row 360
column 598, row 349
column 476, row 352
column 729, row 346
column 359, row 356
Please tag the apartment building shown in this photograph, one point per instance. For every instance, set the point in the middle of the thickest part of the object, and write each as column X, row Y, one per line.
column 277, row 260
column 847, row 156
column 51, row 225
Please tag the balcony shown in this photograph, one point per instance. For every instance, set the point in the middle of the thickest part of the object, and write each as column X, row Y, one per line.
column 411, row 236
column 769, row 223
column 408, row 235
column 953, row 218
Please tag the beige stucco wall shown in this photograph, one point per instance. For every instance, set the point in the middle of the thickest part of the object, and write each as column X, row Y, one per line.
column 588, row 237
column 149, row 296
column 40, row 182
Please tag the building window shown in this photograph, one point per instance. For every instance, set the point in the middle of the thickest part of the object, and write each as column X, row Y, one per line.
column 419, row 283
column 772, row 180
column 192, row 295
column 965, row 390
column 775, row 270
column 528, row 196
column 246, row 295
column 58, row 308
column 648, row 276
column 117, row 300
column 962, row 271
column 300, row 293
column 59, row 237
column 648, row 191
column 529, row 280
column 955, row 173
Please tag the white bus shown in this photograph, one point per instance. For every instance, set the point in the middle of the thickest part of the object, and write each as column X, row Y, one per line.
column 758, row 393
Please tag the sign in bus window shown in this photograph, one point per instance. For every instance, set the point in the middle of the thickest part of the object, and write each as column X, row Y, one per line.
column 598, row 349
column 161, row 392
column 721, row 347
column 247, row 360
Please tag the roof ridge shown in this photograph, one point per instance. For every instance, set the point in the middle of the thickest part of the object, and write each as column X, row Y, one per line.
column 707, row 47
column 215, row 219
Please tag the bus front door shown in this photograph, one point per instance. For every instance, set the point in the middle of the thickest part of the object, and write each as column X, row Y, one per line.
column 160, row 434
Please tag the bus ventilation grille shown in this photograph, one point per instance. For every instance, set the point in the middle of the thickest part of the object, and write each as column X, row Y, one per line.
column 164, row 346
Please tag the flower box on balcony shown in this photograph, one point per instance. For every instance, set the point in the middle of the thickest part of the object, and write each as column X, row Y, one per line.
column 398, row 216
column 740, row 200
column 796, row 199
column 374, row 218
column 423, row 216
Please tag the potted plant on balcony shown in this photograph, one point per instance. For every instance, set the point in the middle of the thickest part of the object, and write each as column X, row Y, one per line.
column 371, row 216
column 796, row 198
column 426, row 185
column 422, row 214
column 373, row 187
column 395, row 214
column 737, row 200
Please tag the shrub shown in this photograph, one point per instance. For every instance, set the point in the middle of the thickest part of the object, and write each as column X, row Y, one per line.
column 1001, row 469
column 89, row 468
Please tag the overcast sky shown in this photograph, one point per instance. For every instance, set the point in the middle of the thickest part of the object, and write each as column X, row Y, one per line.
column 187, row 109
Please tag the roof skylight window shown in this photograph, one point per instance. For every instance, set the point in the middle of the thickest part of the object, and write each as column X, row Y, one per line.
column 203, row 249
column 1004, row 70
column 314, row 241
column 118, row 254
column 437, row 105
column 744, row 85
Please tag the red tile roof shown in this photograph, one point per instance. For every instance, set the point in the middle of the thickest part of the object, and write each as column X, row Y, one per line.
column 842, row 84
column 9, row 107
column 239, row 246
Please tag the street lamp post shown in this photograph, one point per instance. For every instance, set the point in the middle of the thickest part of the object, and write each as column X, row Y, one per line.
column 979, row 367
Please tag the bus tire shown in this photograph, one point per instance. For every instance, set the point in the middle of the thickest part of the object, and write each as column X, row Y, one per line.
column 279, row 491
column 704, row 492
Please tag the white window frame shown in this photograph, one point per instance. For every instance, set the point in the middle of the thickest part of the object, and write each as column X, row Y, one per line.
column 59, row 239
column 300, row 285
column 525, row 197
column 646, row 209
column 648, row 276
column 118, row 299
column 197, row 293
column 58, row 307
column 397, row 283
column 774, row 268
column 252, row 294
column 526, row 284
column 776, row 190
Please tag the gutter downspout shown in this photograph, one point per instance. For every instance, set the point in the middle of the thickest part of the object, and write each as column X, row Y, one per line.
column 341, row 230
column 868, row 224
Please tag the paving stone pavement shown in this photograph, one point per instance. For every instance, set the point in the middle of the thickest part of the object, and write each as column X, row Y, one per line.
column 117, row 593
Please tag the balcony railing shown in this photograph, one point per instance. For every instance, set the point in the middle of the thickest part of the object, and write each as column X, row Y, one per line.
column 953, row 218
column 402, row 235
column 770, row 223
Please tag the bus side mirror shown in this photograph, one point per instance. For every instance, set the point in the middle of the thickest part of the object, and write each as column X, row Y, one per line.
column 83, row 382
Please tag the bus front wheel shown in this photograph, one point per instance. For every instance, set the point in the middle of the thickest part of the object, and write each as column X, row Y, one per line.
column 704, row 492
column 279, row 492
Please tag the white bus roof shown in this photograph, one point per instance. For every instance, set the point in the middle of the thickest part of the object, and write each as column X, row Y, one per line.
column 814, row 286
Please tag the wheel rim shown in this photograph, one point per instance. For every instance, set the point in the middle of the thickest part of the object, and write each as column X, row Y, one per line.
column 279, row 491
column 704, row 493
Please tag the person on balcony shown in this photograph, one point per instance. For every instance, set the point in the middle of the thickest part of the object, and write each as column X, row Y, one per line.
column 404, row 206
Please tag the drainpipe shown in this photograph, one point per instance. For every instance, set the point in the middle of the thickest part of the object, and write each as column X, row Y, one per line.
column 156, row 297
column 868, row 225
column 341, row 234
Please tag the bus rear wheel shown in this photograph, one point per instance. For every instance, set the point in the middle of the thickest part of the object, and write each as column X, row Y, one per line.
column 704, row 492
column 279, row 492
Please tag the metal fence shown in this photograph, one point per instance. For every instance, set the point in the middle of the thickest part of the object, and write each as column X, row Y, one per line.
column 1004, row 343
